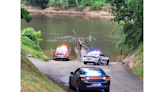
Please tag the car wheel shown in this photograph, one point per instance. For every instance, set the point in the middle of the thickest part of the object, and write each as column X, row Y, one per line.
column 94, row 63
column 85, row 63
column 98, row 63
column 107, row 62
column 106, row 90
column 77, row 88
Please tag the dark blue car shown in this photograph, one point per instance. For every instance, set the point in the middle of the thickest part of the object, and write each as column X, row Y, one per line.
column 89, row 78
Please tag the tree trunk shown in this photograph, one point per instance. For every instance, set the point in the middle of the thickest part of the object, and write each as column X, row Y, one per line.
column 76, row 3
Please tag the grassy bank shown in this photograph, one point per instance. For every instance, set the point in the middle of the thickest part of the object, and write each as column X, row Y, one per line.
column 138, row 67
column 135, row 62
column 32, row 80
column 30, row 40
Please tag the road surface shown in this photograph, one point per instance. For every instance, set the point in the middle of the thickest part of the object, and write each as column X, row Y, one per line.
column 122, row 80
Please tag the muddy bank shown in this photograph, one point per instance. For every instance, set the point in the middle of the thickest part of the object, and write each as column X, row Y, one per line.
column 102, row 13
column 134, row 63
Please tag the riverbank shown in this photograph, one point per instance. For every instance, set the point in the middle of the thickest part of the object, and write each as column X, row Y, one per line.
column 102, row 13
column 32, row 80
column 134, row 63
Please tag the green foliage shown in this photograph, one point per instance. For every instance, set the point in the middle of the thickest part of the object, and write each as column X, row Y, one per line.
column 30, row 43
column 43, row 3
column 25, row 15
column 138, row 70
column 31, row 38
column 95, row 4
column 57, row 9
column 72, row 3
column 129, row 15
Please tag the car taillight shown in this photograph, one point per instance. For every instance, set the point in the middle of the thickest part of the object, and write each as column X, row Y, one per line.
column 64, row 53
column 88, row 78
column 106, row 78
column 54, row 53
column 85, row 78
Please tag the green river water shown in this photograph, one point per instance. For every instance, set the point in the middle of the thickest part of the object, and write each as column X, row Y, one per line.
column 57, row 30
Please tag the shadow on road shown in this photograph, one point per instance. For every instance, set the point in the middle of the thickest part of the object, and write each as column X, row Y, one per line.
column 66, row 88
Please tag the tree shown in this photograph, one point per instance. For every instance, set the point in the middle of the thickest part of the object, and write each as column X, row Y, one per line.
column 25, row 15
column 129, row 15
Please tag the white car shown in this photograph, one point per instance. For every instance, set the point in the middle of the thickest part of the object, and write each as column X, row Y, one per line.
column 95, row 57
column 62, row 52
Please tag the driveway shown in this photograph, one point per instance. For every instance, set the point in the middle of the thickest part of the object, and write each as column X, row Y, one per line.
column 122, row 80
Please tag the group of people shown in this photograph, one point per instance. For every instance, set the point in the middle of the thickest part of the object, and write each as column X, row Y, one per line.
column 80, row 43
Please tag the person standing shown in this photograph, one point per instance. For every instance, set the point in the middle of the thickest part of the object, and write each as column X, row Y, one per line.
column 80, row 43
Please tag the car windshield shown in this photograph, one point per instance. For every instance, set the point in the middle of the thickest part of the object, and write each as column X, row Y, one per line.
column 92, row 54
column 62, row 49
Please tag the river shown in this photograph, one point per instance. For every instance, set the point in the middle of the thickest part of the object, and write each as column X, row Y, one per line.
column 57, row 30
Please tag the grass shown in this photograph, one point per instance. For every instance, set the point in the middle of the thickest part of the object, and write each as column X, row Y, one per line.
column 36, row 54
column 57, row 9
column 138, row 70
column 32, row 80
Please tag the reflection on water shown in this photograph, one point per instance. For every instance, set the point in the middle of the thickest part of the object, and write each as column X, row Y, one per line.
column 57, row 30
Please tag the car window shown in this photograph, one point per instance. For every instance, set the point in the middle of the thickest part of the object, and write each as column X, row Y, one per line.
column 62, row 49
column 91, row 70
column 92, row 54
column 77, row 72
column 102, row 55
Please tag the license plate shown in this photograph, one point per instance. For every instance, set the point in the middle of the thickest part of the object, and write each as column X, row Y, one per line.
column 96, row 84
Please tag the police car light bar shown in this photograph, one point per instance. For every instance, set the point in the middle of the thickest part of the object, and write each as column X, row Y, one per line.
column 93, row 73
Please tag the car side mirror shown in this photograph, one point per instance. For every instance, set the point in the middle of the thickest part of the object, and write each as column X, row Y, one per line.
column 71, row 72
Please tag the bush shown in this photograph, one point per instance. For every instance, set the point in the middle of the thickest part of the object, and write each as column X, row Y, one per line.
column 31, row 36
column 57, row 9
column 30, row 40
column 97, row 5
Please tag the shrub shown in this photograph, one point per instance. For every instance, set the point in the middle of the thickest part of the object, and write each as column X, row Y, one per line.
column 31, row 34
column 57, row 9
column 30, row 43
column 97, row 5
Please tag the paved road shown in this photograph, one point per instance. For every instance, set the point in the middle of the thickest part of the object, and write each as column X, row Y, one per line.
column 122, row 80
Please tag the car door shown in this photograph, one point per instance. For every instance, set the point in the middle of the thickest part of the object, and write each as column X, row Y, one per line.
column 104, row 58
column 75, row 77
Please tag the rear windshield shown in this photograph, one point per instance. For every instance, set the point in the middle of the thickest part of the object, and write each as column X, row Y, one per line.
column 92, row 54
column 62, row 49
column 90, row 70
